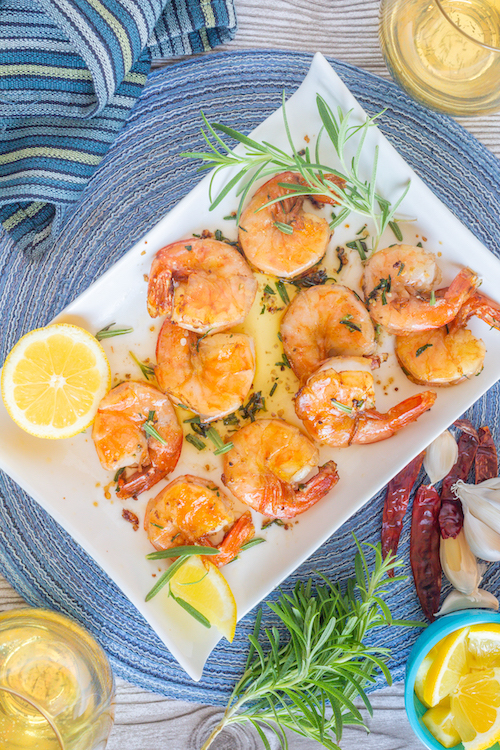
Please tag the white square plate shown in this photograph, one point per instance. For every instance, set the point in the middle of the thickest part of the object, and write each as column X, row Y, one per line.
column 65, row 477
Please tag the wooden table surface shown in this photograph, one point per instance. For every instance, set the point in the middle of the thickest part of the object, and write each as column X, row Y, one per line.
column 347, row 30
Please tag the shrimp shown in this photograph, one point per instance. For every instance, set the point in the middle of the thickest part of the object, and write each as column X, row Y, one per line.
column 190, row 510
column 337, row 405
column 447, row 355
column 122, row 440
column 201, row 284
column 324, row 321
column 398, row 284
column 267, row 464
column 211, row 375
column 266, row 245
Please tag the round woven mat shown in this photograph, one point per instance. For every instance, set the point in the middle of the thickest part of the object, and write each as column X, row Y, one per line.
column 139, row 181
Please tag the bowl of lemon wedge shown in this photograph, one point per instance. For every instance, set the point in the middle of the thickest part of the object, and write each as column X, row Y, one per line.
column 452, row 685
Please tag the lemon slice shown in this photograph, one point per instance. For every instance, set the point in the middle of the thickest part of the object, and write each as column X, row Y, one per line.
column 483, row 643
column 449, row 664
column 438, row 721
column 201, row 584
column 53, row 380
column 475, row 707
column 422, row 673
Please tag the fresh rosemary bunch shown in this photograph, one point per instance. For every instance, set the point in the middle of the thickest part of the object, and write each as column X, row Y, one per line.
column 308, row 682
column 263, row 159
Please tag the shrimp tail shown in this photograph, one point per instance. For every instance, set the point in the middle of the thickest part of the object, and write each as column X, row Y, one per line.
column 139, row 482
column 462, row 286
column 478, row 305
column 240, row 533
column 309, row 493
column 160, row 289
column 373, row 426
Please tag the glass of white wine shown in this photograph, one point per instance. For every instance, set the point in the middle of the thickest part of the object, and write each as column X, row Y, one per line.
column 56, row 685
column 445, row 53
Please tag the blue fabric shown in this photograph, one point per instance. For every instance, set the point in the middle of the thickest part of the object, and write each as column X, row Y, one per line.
column 70, row 73
column 140, row 179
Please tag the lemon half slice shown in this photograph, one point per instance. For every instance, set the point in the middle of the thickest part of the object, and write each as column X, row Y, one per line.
column 53, row 380
column 484, row 646
column 201, row 584
column 449, row 665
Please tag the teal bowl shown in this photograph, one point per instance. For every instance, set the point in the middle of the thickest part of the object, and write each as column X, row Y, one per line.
column 434, row 633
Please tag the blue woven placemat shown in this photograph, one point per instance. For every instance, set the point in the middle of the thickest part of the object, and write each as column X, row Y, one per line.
column 140, row 180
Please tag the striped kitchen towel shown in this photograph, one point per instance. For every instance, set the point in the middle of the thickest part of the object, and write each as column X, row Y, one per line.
column 70, row 72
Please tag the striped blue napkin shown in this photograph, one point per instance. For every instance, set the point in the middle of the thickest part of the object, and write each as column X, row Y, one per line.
column 70, row 72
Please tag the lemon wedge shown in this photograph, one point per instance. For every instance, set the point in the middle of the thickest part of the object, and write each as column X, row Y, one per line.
column 53, row 380
column 475, row 707
column 422, row 674
column 449, row 665
column 439, row 722
column 201, row 584
column 483, row 643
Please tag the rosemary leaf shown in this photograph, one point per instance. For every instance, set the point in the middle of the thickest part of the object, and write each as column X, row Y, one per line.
column 151, row 430
column 187, row 551
column 191, row 610
column 252, row 543
column 285, row 228
column 199, row 444
column 107, row 332
column 280, row 286
column 147, row 370
column 342, row 407
column 422, row 349
column 396, row 230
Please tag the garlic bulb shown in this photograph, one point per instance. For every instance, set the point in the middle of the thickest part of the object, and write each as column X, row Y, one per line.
column 440, row 456
column 483, row 540
column 459, row 564
column 457, row 600
column 483, row 500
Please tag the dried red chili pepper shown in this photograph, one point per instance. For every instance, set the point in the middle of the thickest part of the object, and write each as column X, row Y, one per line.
column 486, row 456
column 424, row 548
column 395, row 505
column 451, row 517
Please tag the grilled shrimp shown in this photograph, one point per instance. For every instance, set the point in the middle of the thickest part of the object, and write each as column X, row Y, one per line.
column 190, row 510
column 275, row 250
column 201, row 284
column 398, row 283
column 266, row 467
column 450, row 354
column 324, row 321
column 337, row 405
column 211, row 375
column 122, row 439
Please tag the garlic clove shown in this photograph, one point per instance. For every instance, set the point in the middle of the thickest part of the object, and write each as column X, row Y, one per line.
column 482, row 540
column 456, row 600
column 459, row 564
column 440, row 456
column 480, row 501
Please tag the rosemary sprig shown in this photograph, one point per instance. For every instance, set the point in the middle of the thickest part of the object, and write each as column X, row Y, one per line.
column 345, row 185
column 107, row 332
column 323, row 661
column 147, row 370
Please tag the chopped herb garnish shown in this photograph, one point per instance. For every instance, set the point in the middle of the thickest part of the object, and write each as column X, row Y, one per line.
column 419, row 244
column 263, row 310
column 310, row 279
column 182, row 406
column 231, row 419
column 360, row 231
column 157, row 525
column 273, row 521
column 188, row 248
column 118, row 474
column 218, row 235
column 147, row 370
column 280, row 336
column 271, row 392
column 351, row 326
column 231, row 217
column 254, row 404
column 202, row 337
column 191, row 610
column 282, row 292
column 268, row 289
column 383, row 286
column 219, row 444
column 342, row 407
column 285, row 228
column 358, row 402
column 108, row 333
column 397, row 231
column 252, row 543
column 284, row 363
column 422, row 349
column 342, row 258
column 432, row 300
column 359, row 246
column 195, row 419
column 199, row 444
column 193, row 583
column 401, row 267
column 151, row 430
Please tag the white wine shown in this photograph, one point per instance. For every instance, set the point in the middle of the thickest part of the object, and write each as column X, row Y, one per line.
column 445, row 53
column 64, row 676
